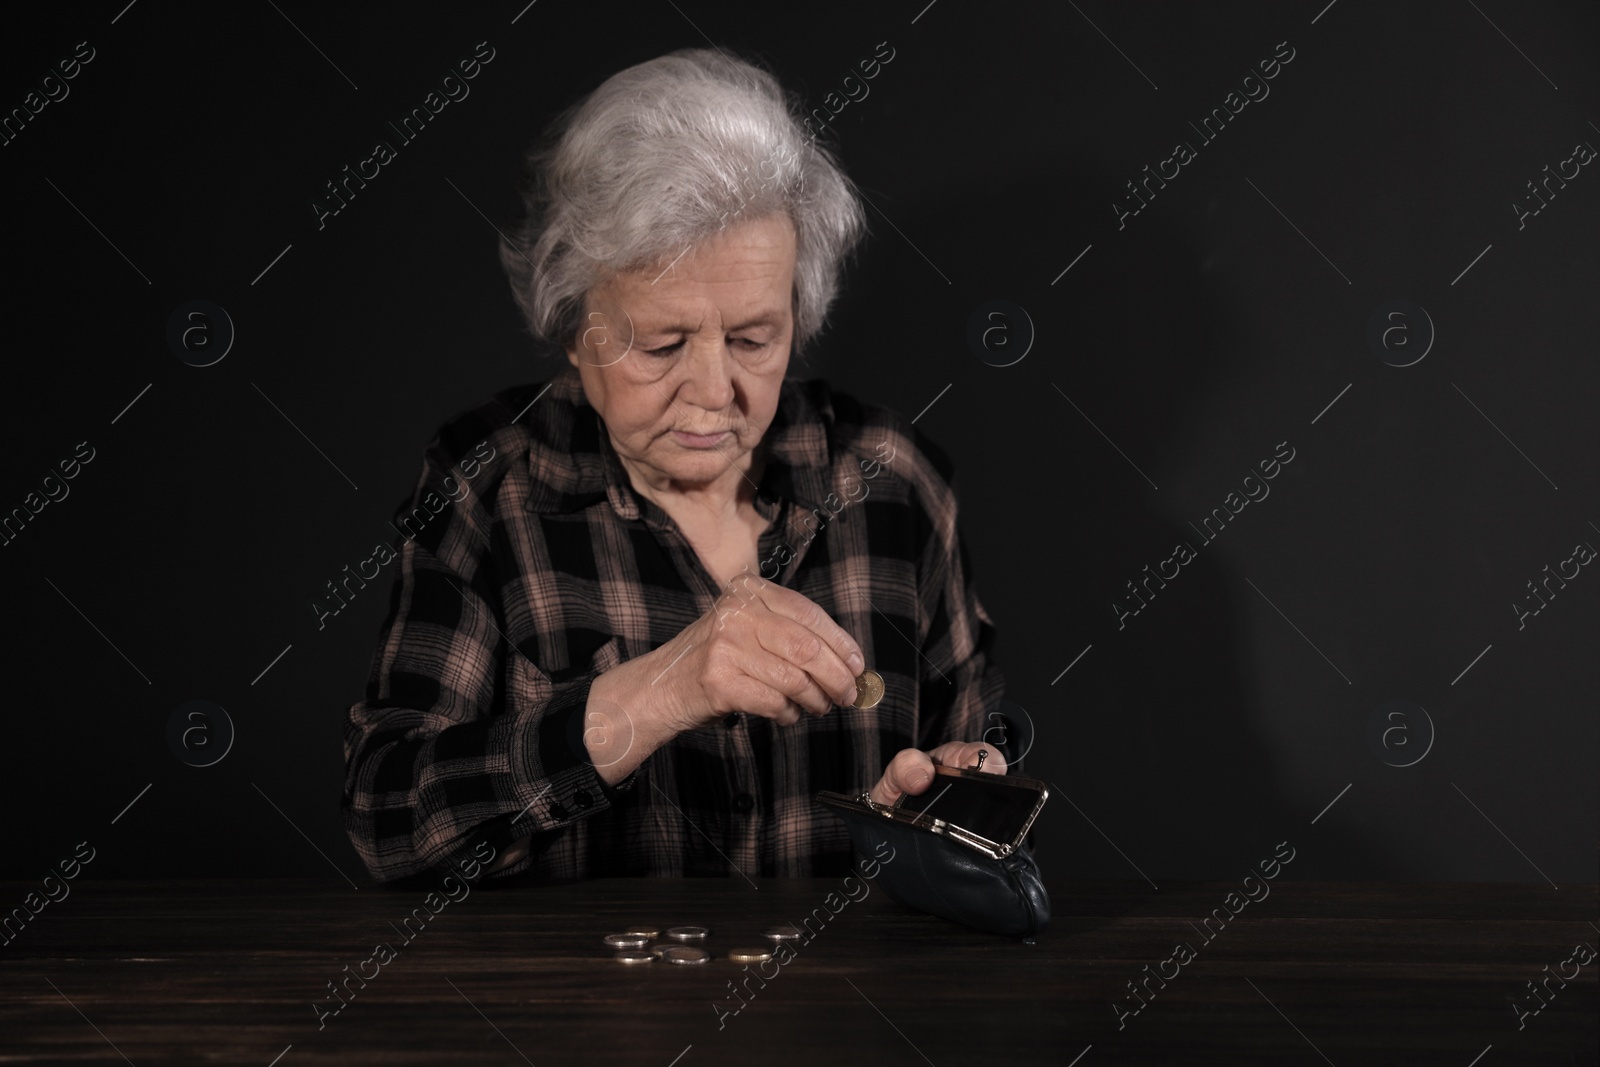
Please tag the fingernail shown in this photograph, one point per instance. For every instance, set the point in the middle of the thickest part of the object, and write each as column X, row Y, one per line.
column 857, row 664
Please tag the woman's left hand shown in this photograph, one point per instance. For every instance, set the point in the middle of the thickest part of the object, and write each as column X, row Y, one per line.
column 911, row 770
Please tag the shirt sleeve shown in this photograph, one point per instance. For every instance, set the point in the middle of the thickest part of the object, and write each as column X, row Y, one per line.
column 961, row 687
column 460, row 738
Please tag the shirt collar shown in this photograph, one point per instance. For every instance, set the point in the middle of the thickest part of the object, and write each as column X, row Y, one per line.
column 572, row 464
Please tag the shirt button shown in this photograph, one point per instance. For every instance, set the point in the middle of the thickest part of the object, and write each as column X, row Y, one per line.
column 558, row 813
column 583, row 799
column 743, row 803
column 731, row 720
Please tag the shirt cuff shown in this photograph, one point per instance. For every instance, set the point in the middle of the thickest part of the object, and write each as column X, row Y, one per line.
column 559, row 783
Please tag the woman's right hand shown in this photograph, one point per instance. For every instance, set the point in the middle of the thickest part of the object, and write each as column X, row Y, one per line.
column 761, row 649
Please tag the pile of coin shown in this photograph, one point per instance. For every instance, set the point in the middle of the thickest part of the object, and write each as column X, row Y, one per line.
column 683, row 945
column 630, row 945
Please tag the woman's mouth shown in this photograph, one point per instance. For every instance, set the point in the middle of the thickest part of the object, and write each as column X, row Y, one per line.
column 699, row 440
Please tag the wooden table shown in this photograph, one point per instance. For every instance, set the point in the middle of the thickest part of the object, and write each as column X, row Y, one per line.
column 194, row 971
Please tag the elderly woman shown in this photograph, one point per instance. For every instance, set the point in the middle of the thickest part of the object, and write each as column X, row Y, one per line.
column 625, row 641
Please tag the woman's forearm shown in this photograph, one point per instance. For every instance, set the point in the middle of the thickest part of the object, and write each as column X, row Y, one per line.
column 623, row 723
column 626, row 718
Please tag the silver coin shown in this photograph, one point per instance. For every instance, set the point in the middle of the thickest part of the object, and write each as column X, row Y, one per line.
column 685, row 954
column 633, row 955
column 626, row 940
column 688, row 933
column 785, row 932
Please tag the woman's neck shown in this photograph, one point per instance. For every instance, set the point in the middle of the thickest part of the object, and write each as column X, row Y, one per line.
column 721, row 499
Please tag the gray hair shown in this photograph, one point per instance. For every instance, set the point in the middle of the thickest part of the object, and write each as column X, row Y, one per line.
column 660, row 157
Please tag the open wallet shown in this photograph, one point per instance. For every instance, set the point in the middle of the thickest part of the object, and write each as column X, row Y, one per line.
column 958, row 848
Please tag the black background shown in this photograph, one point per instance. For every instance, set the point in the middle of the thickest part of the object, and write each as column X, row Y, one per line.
column 1223, row 718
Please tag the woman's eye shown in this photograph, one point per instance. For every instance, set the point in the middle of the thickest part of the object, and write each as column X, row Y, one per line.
column 746, row 343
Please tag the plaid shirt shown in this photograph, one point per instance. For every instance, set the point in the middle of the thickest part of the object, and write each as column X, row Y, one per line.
column 549, row 568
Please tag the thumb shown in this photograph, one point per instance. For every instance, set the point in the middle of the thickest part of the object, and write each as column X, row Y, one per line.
column 911, row 771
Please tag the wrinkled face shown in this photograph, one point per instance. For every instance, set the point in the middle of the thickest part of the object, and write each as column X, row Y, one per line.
column 685, row 360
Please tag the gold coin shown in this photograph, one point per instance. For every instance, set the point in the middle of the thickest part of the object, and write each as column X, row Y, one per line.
column 633, row 955
column 685, row 954
column 657, row 950
column 650, row 933
column 749, row 955
column 869, row 689
column 784, row 932
column 688, row 933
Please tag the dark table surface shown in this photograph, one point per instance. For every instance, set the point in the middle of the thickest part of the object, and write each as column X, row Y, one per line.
column 192, row 971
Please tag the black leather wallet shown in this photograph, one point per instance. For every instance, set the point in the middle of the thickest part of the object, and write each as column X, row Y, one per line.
column 957, row 848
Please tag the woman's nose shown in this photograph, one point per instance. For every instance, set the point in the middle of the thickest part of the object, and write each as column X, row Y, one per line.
column 710, row 381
